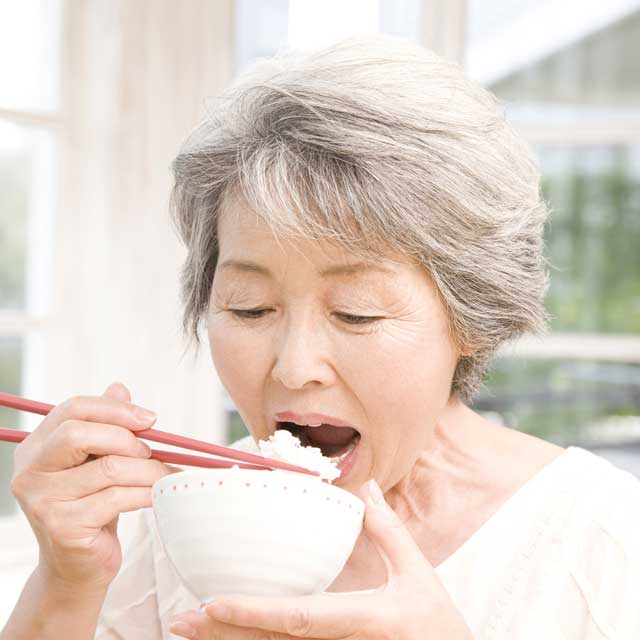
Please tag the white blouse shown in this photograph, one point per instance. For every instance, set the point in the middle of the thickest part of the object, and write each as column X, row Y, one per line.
column 560, row 559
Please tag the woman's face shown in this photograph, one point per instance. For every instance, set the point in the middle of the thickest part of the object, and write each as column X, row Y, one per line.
column 307, row 345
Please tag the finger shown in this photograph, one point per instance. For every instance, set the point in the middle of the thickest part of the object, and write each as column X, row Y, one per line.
column 317, row 616
column 398, row 549
column 74, row 440
column 98, row 509
column 103, row 409
column 106, row 471
column 199, row 626
column 117, row 391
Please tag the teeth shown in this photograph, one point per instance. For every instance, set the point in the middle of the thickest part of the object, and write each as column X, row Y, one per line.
column 342, row 456
column 308, row 425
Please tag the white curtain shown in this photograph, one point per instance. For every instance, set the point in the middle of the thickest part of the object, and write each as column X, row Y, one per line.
column 136, row 77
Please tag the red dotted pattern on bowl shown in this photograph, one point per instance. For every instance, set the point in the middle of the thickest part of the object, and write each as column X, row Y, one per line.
column 265, row 486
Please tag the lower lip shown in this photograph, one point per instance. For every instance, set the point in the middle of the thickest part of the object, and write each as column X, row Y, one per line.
column 347, row 464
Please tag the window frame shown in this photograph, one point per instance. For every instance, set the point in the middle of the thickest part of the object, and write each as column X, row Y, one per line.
column 586, row 132
column 32, row 323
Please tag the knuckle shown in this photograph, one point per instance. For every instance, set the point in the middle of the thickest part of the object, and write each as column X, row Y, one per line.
column 73, row 406
column 114, row 495
column 24, row 489
column 298, row 622
column 38, row 508
column 110, row 468
column 73, row 433
column 18, row 488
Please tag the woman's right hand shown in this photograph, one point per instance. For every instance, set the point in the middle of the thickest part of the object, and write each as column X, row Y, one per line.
column 74, row 475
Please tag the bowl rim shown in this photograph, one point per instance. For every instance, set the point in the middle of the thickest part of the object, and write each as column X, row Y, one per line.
column 245, row 474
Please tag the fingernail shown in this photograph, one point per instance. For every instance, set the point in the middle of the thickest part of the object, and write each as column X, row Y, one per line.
column 144, row 416
column 183, row 629
column 375, row 493
column 145, row 450
column 204, row 605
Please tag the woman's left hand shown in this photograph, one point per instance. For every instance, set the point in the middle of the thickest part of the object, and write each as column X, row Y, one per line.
column 411, row 605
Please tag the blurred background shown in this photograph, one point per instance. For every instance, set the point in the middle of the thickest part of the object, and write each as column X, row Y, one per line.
column 95, row 99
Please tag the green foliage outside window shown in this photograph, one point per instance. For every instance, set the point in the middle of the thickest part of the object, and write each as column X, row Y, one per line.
column 593, row 243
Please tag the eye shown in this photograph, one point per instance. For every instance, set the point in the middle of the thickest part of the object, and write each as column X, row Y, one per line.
column 351, row 319
column 248, row 314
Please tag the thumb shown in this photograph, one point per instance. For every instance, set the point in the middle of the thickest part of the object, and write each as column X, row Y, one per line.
column 384, row 528
column 117, row 391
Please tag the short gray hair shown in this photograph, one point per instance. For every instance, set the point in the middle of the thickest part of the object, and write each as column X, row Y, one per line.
column 377, row 144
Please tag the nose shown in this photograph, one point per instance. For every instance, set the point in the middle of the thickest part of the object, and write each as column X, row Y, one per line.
column 302, row 357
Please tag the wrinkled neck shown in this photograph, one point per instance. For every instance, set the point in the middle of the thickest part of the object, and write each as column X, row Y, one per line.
column 451, row 465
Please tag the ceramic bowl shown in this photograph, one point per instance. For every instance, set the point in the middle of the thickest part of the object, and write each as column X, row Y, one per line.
column 255, row 532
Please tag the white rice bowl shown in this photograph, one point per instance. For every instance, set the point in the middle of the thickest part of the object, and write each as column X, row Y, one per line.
column 258, row 532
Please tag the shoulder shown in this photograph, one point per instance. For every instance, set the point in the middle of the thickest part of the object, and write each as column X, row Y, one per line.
column 608, row 498
column 603, row 544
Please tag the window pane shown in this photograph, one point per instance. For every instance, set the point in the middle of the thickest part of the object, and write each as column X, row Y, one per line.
column 26, row 206
column 557, row 56
column 573, row 78
column 593, row 237
column 15, row 164
column 260, row 30
column 10, row 382
column 319, row 23
column 236, row 428
column 403, row 18
column 571, row 402
column 29, row 55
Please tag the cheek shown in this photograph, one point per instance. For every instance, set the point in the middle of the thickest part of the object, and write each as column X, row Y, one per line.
column 406, row 386
column 239, row 357
column 407, row 364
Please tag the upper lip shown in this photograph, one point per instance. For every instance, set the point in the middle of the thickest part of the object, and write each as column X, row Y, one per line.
column 310, row 418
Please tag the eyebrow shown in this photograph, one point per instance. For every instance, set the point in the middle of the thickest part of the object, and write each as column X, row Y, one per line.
column 342, row 269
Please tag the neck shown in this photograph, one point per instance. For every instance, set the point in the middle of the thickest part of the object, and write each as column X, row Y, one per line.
column 446, row 484
column 449, row 480
column 451, row 463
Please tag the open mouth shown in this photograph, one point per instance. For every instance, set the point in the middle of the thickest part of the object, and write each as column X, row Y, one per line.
column 334, row 442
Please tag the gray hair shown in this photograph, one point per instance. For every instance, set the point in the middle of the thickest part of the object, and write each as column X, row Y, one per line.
column 377, row 144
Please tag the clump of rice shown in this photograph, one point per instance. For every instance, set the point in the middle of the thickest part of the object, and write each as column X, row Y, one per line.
column 284, row 446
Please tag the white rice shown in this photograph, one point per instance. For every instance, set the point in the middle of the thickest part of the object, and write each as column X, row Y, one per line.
column 284, row 446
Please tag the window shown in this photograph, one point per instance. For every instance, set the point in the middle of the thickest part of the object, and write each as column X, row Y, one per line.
column 29, row 127
column 574, row 92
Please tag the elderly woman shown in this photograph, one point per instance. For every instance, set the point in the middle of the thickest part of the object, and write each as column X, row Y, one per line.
column 364, row 230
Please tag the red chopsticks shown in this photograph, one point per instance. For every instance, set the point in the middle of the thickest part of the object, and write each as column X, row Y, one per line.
column 246, row 460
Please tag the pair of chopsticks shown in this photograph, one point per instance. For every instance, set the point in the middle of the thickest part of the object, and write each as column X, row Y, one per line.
column 245, row 460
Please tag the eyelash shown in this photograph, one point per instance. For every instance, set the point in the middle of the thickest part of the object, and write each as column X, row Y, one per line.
column 357, row 320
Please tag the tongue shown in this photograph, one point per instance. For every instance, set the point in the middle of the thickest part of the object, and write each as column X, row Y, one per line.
column 329, row 435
